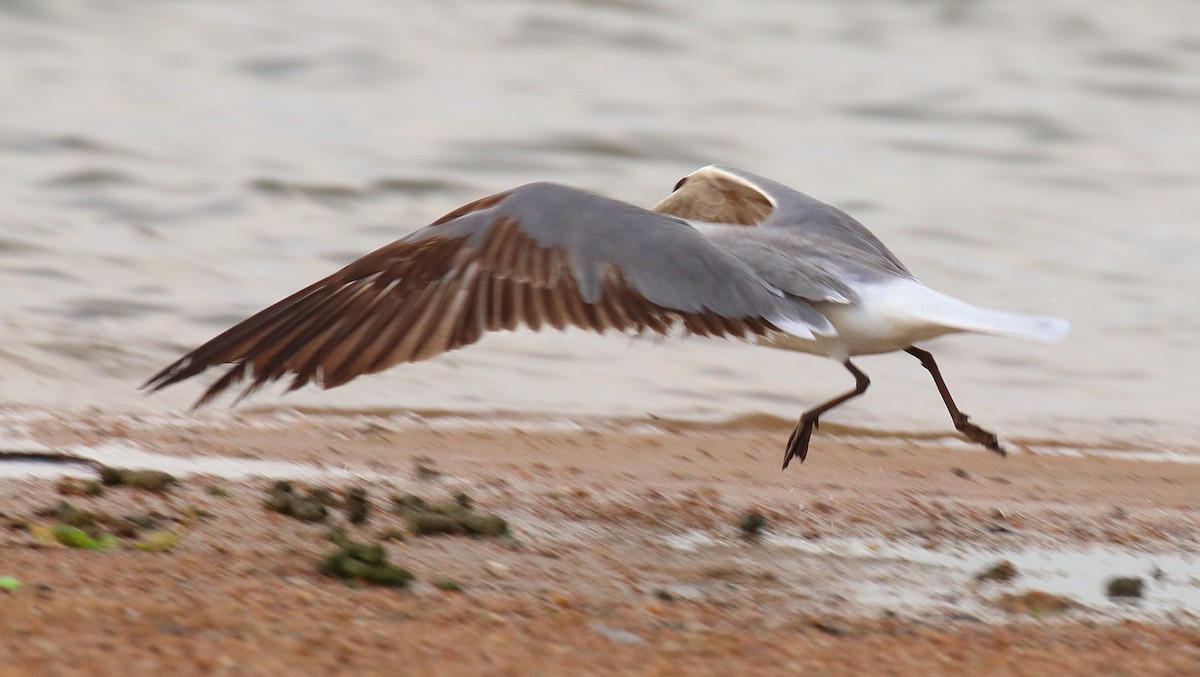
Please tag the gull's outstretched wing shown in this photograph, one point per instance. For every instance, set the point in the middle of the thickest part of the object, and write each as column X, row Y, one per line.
column 537, row 255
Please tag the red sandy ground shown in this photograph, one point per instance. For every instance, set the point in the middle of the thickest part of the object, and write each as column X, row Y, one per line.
column 590, row 587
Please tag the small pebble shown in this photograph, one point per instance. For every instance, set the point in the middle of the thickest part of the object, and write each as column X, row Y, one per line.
column 447, row 585
column 74, row 486
column 496, row 569
column 1001, row 572
column 279, row 497
column 402, row 503
column 308, row 510
column 159, row 541
column 617, row 634
column 324, row 496
column 827, row 626
column 1125, row 586
column 393, row 535
column 752, row 524
column 158, row 481
column 433, row 524
column 1035, row 602
column 477, row 524
column 358, row 507
column 424, row 469
column 65, row 513
column 150, row 480
column 110, row 476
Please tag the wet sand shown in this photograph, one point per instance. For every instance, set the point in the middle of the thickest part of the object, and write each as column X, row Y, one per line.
column 626, row 556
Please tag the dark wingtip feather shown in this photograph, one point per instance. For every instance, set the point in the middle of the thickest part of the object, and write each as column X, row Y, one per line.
column 179, row 370
column 229, row 378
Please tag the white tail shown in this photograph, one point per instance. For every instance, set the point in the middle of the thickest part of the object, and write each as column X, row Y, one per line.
column 952, row 313
column 1013, row 325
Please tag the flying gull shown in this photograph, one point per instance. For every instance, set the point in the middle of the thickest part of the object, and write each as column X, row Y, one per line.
column 726, row 254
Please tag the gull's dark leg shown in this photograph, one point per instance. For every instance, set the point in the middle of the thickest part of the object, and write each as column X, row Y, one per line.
column 798, row 443
column 961, row 421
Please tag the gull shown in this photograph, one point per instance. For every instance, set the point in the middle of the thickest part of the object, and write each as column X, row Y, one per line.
column 727, row 254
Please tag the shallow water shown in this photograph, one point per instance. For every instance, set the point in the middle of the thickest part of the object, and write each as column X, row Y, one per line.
column 899, row 575
column 172, row 167
column 122, row 453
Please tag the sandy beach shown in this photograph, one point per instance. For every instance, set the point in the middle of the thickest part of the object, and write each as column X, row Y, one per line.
column 535, row 502
column 627, row 553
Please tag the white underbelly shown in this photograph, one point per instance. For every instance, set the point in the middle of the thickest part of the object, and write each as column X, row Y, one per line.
column 885, row 319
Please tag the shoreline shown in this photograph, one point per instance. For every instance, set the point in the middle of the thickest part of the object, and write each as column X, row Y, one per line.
column 18, row 418
column 626, row 553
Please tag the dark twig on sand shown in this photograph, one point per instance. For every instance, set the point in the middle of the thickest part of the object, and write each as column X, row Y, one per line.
column 48, row 457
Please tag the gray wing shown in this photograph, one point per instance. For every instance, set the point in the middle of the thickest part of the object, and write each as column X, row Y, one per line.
column 541, row 254
column 718, row 194
column 811, row 267
column 786, row 262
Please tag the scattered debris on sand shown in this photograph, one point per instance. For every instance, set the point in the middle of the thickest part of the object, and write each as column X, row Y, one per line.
column 1035, row 603
column 1000, row 572
column 157, row 481
column 752, row 524
column 358, row 506
column 1129, row 587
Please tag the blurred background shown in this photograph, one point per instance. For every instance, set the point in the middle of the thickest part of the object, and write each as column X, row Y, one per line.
column 170, row 167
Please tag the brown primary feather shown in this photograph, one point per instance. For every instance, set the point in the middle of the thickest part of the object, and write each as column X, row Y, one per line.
column 414, row 299
column 474, row 206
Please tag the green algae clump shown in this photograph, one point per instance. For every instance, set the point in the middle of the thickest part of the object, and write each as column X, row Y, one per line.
column 75, row 537
column 157, row 481
column 363, row 561
column 454, row 517
column 283, row 499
